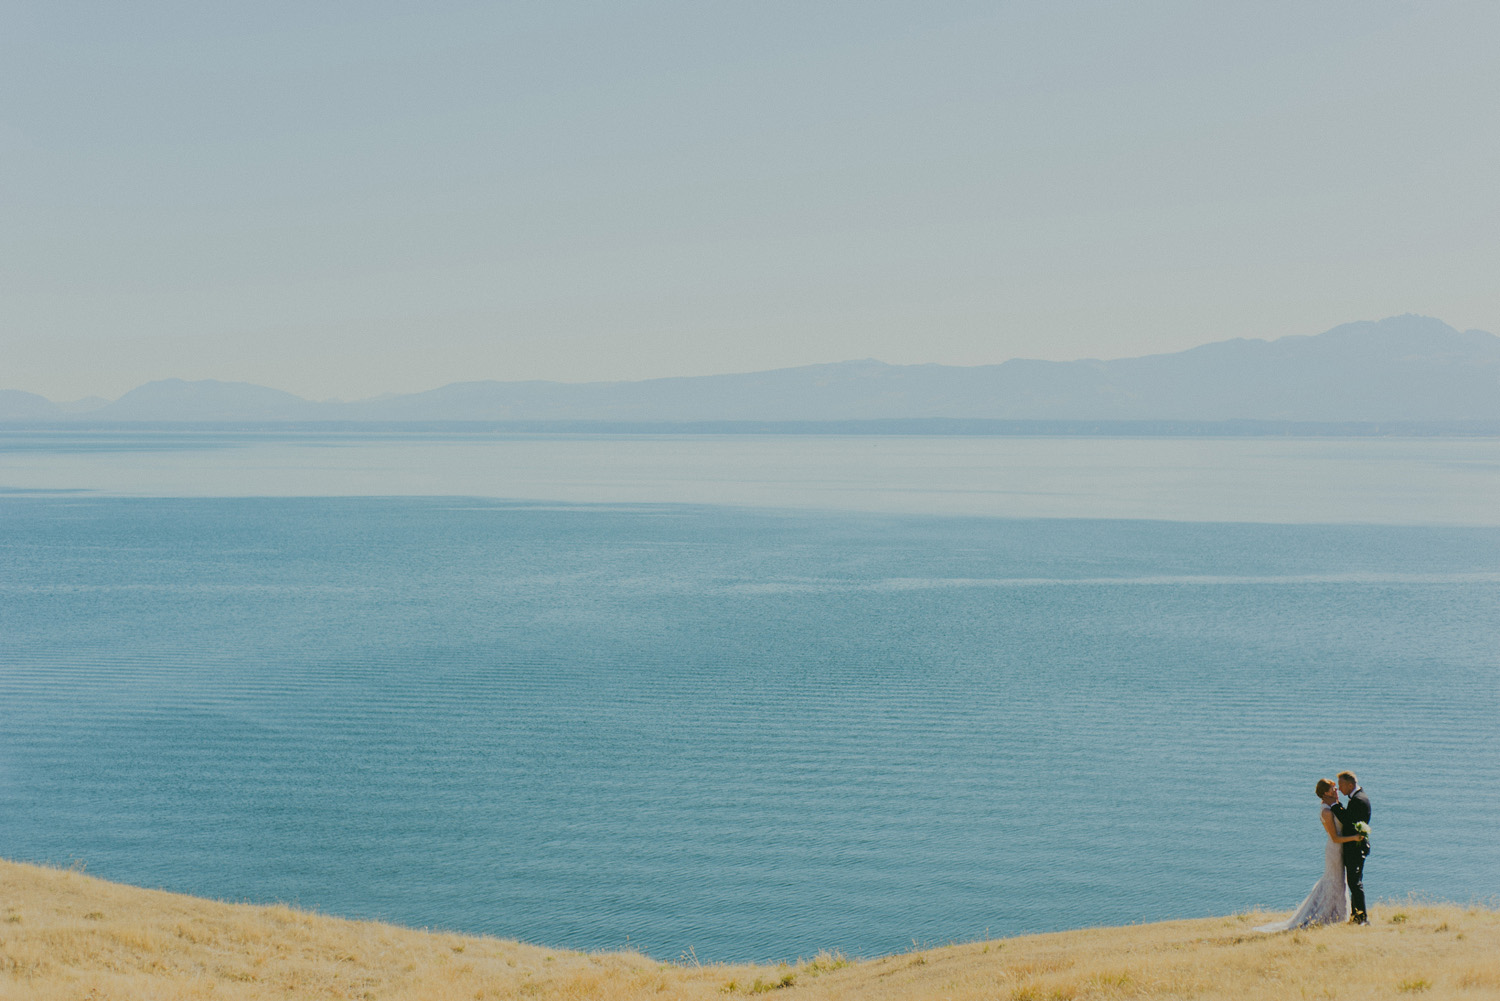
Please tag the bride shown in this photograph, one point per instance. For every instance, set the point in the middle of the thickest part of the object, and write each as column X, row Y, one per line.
column 1329, row 900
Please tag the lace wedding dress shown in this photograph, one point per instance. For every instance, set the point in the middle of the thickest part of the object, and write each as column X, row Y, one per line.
column 1329, row 900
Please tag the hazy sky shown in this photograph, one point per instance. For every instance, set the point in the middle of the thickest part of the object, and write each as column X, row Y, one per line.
column 343, row 199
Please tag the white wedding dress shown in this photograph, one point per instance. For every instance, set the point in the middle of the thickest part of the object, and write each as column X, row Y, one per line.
column 1329, row 900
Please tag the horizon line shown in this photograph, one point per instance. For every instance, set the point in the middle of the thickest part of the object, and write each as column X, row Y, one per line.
column 715, row 375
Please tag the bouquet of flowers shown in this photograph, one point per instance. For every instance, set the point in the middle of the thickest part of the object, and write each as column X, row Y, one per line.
column 1363, row 830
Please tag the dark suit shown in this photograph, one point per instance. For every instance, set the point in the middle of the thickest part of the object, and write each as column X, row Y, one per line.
column 1351, row 813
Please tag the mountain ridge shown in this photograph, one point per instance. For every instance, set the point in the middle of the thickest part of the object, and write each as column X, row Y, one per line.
column 1404, row 368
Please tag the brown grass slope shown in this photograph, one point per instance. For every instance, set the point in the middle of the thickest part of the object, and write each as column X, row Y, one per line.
column 67, row 935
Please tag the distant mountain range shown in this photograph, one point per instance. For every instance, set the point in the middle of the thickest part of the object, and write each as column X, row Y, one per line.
column 1405, row 368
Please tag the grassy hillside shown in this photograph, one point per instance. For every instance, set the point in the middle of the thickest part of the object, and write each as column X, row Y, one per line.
column 67, row 935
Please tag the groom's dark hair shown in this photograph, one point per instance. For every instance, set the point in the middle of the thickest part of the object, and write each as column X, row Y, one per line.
column 1349, row 776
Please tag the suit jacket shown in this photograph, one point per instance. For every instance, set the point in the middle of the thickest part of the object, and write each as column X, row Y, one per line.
column 1351, row 813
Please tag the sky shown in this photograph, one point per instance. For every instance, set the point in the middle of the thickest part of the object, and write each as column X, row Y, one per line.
column 349, row 199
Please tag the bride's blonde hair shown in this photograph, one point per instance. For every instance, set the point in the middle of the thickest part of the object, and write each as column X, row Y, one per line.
column 1322, row 787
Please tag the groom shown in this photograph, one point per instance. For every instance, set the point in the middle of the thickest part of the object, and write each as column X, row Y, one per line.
column 1357, row 809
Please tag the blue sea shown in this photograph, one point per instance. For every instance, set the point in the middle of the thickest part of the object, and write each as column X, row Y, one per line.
column 748, row 696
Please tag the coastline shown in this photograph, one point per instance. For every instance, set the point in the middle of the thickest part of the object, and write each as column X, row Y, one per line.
column 65, row 934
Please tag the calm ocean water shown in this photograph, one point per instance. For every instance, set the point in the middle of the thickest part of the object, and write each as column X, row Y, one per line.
column 755, row 697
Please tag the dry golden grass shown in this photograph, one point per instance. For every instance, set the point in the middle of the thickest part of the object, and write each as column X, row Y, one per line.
column 65, row 935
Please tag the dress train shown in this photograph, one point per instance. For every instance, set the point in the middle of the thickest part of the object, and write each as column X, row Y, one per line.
column 1328, row 903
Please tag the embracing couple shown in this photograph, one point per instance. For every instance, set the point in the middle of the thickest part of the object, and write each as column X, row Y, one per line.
column 1340, row 894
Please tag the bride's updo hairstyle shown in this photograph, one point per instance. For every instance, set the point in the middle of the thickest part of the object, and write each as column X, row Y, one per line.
column 1322, row 787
